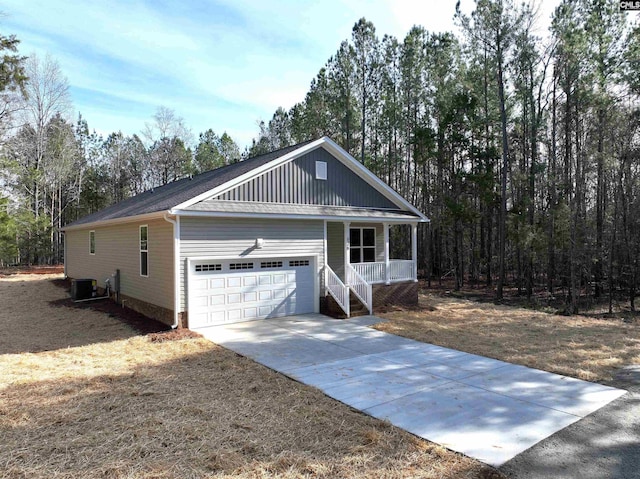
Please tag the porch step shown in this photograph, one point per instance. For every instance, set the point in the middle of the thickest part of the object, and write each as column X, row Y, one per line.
column 332, row 309
column 356, row 307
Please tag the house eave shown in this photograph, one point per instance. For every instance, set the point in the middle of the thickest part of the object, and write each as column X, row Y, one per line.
column 355, row 219
column 116, row 221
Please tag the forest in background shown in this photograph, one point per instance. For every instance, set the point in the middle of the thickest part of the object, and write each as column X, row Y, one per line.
column 521, row 145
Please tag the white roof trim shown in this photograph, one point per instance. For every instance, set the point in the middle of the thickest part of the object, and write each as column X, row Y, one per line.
column 369, row 177
column 249, row 175
column 124, row 219
column 354, row 219
column 333, row 148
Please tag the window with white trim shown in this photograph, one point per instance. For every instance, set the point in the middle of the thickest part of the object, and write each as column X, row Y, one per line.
column 362, row 245
column 92, row 242
column 144, row 250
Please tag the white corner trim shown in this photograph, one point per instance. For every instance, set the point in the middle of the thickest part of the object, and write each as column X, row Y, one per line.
column 176, row 268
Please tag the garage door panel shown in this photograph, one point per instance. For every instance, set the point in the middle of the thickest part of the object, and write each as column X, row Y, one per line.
column 234, row 298
column 264, row 295
column 216, row 299
column 250, row 280
column 250, row 313
column 200, row 285
column 200, row 301
column 260, row 289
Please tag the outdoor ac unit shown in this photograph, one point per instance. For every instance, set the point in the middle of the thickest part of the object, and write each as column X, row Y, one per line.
column 83, row 289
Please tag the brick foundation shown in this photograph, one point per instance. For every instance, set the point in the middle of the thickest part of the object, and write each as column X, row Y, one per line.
column 159, row 313
column 395, row 294
column 405, row 293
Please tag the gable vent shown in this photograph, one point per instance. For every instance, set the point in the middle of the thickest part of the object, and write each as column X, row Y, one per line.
column 321, row 170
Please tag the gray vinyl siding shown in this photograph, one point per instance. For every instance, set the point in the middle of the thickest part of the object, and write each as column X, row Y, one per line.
column 231, row 238
column 118, row 247
column 335, row 247
column 335, row 244
column 294, row 182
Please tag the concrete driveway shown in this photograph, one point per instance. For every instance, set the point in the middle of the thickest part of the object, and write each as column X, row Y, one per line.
column 487, row 409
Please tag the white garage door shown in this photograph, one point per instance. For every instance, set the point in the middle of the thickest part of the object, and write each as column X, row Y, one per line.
column 237, row 290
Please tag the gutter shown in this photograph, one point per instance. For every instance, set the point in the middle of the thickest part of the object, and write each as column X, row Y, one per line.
column 176, row 268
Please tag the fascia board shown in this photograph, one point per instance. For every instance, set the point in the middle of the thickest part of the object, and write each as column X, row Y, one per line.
column 355, row 219
column 115, row 221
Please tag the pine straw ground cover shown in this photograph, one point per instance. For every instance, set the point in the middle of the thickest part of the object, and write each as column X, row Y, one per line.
column 580, row 346
column 82, row 395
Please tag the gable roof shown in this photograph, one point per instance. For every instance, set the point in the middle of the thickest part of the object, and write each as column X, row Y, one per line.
column 163, row 198
column 180, row 196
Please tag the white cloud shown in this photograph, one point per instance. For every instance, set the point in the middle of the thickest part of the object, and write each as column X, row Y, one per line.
column 221, row 64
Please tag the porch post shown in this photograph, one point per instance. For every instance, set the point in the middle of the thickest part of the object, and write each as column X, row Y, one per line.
column 325, row 259
column 347, row 246
column 414, row 250
column 387, row 272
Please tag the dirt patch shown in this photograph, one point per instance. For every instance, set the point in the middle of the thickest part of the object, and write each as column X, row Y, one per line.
column 173, row 335
column 139, row 322
column 584, row 347
column 540, row 299
column 9, row 271
column 117, row 404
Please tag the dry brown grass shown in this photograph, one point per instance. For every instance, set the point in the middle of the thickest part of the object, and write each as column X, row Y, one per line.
column 578, row 346
column 115, row 404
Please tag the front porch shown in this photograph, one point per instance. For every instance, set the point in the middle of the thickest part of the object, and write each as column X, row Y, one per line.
column 358, row 256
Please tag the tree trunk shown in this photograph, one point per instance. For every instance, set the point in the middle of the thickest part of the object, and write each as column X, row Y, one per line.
column 503, row 183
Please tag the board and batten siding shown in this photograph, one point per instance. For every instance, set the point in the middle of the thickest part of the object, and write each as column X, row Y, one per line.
column 295, row 182
column 234, row 238
column 118, row 247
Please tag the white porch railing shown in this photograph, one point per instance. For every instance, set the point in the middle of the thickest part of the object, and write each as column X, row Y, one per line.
column 337, row 289
column 361, row 288
column 399, row 270
column 371, row 272
column 402, row 270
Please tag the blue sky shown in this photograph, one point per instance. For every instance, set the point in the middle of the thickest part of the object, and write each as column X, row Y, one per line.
column 223, row 64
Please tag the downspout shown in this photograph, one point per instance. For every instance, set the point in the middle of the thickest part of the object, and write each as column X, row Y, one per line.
column 176, row 268
column 64, row 253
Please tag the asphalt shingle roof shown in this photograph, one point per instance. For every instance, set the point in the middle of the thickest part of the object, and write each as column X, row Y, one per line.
column 172, row 194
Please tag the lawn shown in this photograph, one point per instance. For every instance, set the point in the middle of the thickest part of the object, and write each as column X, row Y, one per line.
column 84, row 394
column 580, row 346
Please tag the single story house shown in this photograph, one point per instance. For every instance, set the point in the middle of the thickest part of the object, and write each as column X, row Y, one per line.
column 293, row 231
